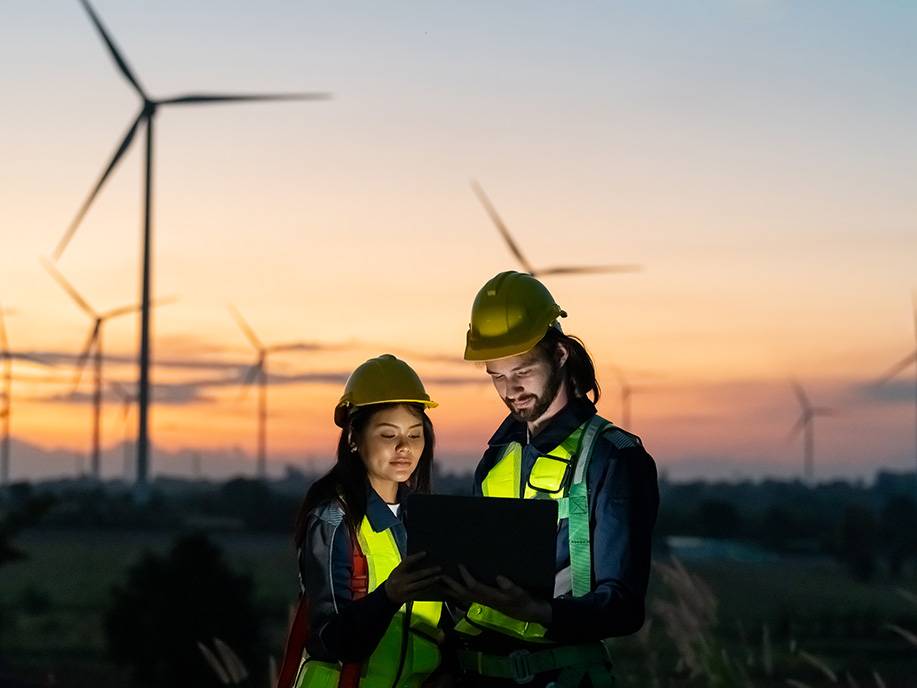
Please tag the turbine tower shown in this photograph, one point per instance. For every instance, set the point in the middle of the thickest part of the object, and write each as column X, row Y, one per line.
column 902, row 365
column 6, row 406
column 806, row 424
column 6, row 394
column 627, row 394
column 514, row 248
column 146, row 117
column 258, row 371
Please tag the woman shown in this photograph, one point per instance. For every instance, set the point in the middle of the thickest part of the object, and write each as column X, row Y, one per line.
column 363, row 627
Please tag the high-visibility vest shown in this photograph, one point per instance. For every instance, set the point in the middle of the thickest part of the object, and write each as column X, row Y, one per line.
column 408, row 651
column 560, row 475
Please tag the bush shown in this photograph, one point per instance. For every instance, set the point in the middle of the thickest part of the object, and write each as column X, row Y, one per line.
column 169, row 604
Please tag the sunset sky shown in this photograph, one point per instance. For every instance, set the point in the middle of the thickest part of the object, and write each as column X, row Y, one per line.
column 758, row 157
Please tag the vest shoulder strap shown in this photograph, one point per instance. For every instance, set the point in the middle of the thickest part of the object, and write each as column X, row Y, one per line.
column 578, row 509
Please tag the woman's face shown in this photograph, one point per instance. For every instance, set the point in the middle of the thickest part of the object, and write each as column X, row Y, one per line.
column 392, row 443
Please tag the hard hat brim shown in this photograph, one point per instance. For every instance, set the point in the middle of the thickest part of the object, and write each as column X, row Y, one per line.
column 341, row 411
column 495, row 353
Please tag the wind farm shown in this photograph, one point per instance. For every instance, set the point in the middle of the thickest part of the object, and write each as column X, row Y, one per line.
column 145, row 118
column 711, row 213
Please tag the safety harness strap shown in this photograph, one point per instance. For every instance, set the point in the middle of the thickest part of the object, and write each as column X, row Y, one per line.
column 359, row 587
column 522, row 666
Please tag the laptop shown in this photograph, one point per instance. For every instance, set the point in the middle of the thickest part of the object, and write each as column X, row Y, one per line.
column 490, row 536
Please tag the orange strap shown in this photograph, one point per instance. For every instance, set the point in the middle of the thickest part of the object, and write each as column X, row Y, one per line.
column 359, row 586
column 296, row 642
column 298, row 635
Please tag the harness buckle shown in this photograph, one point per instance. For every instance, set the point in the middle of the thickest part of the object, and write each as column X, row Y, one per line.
column 519, row 663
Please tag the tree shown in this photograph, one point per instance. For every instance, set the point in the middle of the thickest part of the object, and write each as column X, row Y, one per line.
column 169, row 604
column 859, row 542
column 899, row 532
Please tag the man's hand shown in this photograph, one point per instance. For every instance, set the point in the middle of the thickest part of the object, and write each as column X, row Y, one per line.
column 406, row 580
column 507, row 598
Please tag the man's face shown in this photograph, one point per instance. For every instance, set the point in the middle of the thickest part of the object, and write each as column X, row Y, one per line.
column 527, row 383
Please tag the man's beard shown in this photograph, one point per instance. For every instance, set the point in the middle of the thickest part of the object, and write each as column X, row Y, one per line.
column 541, row 402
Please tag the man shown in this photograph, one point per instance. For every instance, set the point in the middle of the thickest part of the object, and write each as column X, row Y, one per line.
column 553, row 445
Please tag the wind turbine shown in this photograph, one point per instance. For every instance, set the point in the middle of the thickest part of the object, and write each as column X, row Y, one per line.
column 146, row 117
column 903, row 364
column 6, row 396
column 93, row 345
column 6, row 407
column 806, row 424
column 627, row 393
column 258, row 371
column 127, row 399
column 514, row 248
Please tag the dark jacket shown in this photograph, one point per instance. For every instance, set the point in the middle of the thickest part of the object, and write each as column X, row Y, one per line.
column 341, row 628
column 624, row 500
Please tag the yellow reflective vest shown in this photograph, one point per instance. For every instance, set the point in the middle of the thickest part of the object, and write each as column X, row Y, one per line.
column 550, row 478
column 410, row 662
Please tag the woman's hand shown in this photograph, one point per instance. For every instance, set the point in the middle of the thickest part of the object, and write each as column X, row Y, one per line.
column 508, row 598
column 406, row 580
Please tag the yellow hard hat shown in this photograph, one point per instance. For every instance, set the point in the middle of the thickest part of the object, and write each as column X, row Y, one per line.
column 510, row 315
column 380, row 380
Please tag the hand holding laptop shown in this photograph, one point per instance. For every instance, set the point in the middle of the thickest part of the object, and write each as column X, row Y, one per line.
column 507, row 597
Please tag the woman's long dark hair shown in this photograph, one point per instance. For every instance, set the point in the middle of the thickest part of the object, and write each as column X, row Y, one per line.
column 347, row 479
column 580, row 377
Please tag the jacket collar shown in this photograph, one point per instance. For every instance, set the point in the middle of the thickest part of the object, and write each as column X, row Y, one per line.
column 377, row 511
column 560, row 427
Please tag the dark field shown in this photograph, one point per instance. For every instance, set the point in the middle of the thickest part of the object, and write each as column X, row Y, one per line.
column 52, row 608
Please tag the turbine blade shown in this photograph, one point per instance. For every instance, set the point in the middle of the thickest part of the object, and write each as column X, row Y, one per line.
column 213, row 98
column 115, row 53
column 898, row 367
column 501, row 226
column 119, row 153
column 118, row 389
column 914, row 305
column 81, row 361
column 801, row 395
column 69, row 288
column 246, row 329
column 292, row 346
column 115, row 312
column 590, row 269
column 796, row 429
column 123, row 310
column 249, row 378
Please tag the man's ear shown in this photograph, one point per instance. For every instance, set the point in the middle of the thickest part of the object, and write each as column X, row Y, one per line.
column 561, row 354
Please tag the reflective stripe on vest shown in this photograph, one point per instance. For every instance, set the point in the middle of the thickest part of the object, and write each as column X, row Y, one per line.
column 560, row 475
column 422, row 649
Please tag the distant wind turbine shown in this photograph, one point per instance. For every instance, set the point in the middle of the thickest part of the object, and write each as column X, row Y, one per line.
column 806, row 424
column 146, row 117
column 127, row 400
column 627, row 393
column 6, row 407
column 6, row 395
column 528, row 267
column 902, row 365
column 258, row 371
column 93, row 345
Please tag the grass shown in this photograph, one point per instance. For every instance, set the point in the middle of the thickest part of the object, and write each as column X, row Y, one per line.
column 52, row 605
